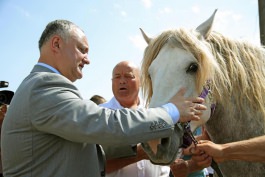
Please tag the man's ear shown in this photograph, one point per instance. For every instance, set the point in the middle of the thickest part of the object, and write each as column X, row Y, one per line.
column 55, row 43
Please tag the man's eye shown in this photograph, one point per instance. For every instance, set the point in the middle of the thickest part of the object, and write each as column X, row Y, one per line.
column 130, row 76
column 82, row 50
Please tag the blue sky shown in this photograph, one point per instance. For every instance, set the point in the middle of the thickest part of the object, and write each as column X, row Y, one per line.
column 112, row 29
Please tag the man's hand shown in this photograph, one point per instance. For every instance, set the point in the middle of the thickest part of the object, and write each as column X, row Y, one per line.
column 189, row 108
column 180, row 168
column 200, row 158
column 210, row 148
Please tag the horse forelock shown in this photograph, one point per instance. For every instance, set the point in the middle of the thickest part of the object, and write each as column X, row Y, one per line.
column 195, row 44
column 190, row 41
column 242, row 72
column 150, row 53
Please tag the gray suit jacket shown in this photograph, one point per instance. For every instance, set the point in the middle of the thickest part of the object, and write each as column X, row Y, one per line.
column 50, row 131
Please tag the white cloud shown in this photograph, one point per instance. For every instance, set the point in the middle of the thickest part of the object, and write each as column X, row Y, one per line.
column 230, row 23
column 123, row 13
column 226, row 15
column 165, row 10
column 147, row 3
column 237, row 17
column 138, row 41
column 195, row 9
column 224, row 19
column 22, row 11
column 117, row 6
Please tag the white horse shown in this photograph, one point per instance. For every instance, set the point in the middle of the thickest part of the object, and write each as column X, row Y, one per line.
column 234, row 71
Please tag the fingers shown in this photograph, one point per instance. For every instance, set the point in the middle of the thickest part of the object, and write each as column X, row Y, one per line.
column 194, row 118
column 203, row 145
column 198, row 106
column 196, row 151
column 190, row 109
column 196, row 111
column 214, row 150
column 196, row 99
column 203, row 141
column 203, row 160
column 190, row 115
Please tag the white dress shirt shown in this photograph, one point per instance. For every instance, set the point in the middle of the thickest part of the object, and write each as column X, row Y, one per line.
column 143, row 168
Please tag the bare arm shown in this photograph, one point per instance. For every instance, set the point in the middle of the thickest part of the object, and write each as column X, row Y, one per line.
column 118, row 163
column 247, row 150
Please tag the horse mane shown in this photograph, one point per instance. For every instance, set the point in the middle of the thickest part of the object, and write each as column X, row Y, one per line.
column 241, row 74
column 236, row 68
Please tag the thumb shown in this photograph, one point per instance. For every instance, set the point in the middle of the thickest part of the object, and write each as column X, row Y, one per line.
column 195, row 151
column 202, row 141
column 181, row 91
column 192, row 150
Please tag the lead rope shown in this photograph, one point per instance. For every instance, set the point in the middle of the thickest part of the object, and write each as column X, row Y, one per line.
column 188, row 132
column 205, row 92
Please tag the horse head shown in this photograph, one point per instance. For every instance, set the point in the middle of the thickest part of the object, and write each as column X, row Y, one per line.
column 233, row 69
column 173, row 60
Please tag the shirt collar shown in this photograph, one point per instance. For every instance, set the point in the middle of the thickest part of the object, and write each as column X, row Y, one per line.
column 49, row 67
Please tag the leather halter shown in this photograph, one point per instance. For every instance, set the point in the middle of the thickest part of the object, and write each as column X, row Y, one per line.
column 206, row 90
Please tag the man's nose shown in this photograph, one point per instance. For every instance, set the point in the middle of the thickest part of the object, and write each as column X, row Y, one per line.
column 123, row 80
column 86, row 60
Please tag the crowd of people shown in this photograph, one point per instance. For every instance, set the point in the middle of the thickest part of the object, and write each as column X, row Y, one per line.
column 50, row 130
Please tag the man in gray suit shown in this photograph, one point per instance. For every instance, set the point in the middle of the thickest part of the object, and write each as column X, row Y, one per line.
column 50, row 131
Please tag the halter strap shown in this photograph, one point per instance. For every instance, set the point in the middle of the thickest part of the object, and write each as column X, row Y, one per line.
column 206, row 90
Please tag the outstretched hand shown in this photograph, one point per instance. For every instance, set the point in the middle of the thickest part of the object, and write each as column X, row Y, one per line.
column 210, row 148
column 189, row 108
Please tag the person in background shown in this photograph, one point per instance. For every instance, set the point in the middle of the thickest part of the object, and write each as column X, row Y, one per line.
column 98, row 99
column 101, row 154
column 5, row 99
column 125, row 88
column 50, row 130
column 3, row 109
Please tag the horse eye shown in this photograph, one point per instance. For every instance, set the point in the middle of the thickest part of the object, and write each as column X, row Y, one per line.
column 193, row 67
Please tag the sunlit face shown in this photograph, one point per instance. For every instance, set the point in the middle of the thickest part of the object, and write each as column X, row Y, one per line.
column 74, row 55
column 126, row 83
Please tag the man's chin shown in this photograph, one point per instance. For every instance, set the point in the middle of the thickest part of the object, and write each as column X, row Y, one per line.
column 123, row 92
column 122, row 96
column 80, row 75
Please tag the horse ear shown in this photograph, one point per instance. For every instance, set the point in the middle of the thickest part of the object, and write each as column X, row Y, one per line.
column 206, row 27
column 146, row 38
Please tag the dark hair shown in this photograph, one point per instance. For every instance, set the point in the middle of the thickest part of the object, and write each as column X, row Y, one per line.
column 98, row 99
column 59, row 27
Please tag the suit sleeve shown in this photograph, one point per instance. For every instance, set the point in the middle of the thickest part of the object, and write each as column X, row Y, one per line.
column 57, row 108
